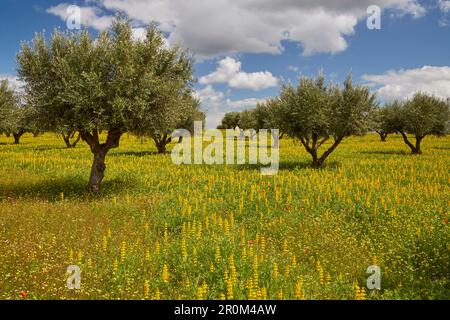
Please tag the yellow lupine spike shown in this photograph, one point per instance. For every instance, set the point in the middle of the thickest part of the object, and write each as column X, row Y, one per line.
column 116, row 265
column 123, row 252
column 165, row 273
column 105, row 243
column 146, row 289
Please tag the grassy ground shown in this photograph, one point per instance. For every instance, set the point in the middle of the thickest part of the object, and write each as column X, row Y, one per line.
column 160, row 231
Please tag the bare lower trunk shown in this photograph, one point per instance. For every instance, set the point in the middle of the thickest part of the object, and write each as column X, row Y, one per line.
column 383, row 135
column 161, row 148
column 415, row 149
column 161, row 142
column 17, row 136
column 317, row 164
column 97, row 171
column 69, row 136
column 313, row 146
column 100, row 150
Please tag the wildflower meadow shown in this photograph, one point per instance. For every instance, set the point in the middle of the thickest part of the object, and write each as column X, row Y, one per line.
column 158, row 230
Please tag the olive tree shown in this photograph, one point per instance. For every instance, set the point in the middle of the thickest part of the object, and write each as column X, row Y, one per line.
column 419, row 116
column 377, row 124
column 8, row 106
column 268, row 116
column 314, row 113
column 16, row 118
column 107, row 84
column 181, row 109
column 230, row 121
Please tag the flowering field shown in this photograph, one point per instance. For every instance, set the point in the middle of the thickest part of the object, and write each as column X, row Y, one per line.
column 160, row 231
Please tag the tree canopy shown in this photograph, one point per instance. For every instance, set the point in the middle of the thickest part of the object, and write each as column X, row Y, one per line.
column 230, row 121
column 111, row 83
column 419, row 116
column 315, row 112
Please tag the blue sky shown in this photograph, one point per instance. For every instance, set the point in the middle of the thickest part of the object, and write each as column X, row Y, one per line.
column 245, row 49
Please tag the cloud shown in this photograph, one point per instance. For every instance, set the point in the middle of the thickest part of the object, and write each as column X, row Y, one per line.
column 229, row 71
column 444, row 5
column 217, row 105
column 13, row 82
column 225, row 27
column 403, row 84
column 90, row 16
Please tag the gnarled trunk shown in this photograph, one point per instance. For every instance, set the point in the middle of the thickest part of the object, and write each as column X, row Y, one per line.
column 383, row 135
column 415, row 149
column 313, row 148
column 161, row 142
column 97, row 170
column 100, row 150
column 17, row 136
column 69, row 136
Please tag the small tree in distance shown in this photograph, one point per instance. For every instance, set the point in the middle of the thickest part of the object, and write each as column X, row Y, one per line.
column 180, row 111
column 16, row 118
column 314, row 113
column 8, row 107
column 420, row 116
column 230, row 121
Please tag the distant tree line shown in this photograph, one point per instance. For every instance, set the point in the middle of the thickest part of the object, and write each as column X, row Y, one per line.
column 315, row 113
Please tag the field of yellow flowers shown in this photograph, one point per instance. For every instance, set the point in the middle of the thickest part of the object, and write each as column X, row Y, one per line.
column 160, row 231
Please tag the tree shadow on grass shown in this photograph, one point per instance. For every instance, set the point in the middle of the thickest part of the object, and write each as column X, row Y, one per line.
column 72, row 187
column 49, row 148
column 136, row 153
column 441, row 148
column 290, row 165
column 387, row 152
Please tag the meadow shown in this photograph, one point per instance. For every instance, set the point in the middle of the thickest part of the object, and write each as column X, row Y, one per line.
column 161, row 231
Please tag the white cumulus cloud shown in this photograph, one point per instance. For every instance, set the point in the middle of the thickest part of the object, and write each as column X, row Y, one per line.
column 225, row 27
column 229, row 71
column 444, row 5
column 216, row 104
column 90, row 16
column 402, row 84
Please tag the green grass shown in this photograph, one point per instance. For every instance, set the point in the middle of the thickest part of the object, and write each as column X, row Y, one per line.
column 225, row 231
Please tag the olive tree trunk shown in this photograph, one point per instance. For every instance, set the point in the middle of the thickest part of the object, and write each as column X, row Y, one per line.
column 100, row 150
column 71, row 135
column 161, row 142
column 312, row 147
column 383, row 136
column 17, row 136
column 415, row 149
